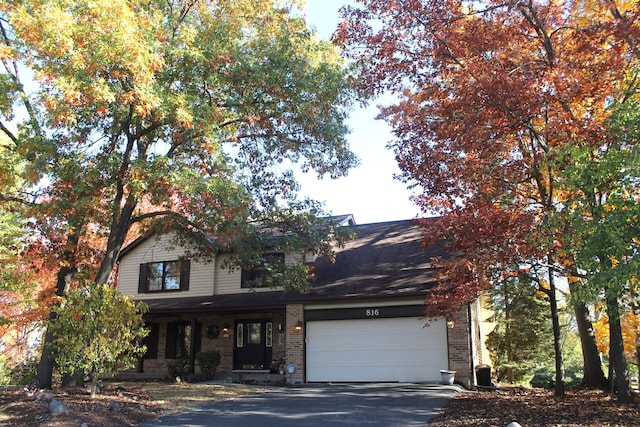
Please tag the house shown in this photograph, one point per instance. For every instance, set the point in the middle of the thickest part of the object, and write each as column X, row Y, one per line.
column 361, row 319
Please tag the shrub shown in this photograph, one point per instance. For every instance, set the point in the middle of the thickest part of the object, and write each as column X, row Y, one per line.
column 178, row 368
column 98, row 332
column 208, row 361
column 546, row 377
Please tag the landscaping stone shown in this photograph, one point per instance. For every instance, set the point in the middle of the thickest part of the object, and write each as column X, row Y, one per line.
column 57, row 407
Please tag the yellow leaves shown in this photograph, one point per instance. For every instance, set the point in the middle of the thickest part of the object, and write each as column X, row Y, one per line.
column 573, row 279
column 601, row 330
column 614, row 261
column 630, row 323
column 6, row 53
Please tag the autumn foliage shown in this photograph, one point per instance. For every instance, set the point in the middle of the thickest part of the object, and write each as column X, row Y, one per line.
column 132, row 116
column 495, row 100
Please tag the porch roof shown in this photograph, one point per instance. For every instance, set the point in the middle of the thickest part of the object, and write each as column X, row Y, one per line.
column 217, row 303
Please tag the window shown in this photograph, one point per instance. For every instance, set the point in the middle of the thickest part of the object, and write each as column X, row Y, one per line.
column 258, row 276
column 164, row 276
column 179, row 335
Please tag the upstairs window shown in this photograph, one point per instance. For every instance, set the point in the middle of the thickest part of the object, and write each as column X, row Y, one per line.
column 262, row 275
column 164, row 276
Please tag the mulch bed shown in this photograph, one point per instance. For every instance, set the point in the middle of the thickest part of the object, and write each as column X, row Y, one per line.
column 113, row 407
column 537, row 407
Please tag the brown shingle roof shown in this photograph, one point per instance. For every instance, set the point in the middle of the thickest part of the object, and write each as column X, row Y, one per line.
column 384, row 260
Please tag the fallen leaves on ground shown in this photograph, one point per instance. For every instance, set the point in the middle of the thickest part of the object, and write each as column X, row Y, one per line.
column 118, row 405
column 537, row 407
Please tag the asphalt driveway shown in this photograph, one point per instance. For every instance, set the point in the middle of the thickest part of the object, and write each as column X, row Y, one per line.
column 385, row 404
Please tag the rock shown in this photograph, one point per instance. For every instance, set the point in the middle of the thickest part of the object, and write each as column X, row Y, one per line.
column 44, row 397
column 84, row 425
column 513, row 424
column 57, row 407
column 113, row 406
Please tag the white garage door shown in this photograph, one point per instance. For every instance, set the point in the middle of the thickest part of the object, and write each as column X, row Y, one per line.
column 396, row 349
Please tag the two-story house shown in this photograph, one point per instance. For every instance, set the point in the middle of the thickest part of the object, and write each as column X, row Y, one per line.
column 361, row 319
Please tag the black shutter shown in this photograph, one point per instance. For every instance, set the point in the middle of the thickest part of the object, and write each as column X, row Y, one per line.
column 185, row 269
column 244, row 277
column 151, row 341
column 142, row 278
column 172, row 335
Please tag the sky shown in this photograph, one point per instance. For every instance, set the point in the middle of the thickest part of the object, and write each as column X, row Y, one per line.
column 369, row 192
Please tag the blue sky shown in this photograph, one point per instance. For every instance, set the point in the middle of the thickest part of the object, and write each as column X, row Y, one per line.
column 369, row 192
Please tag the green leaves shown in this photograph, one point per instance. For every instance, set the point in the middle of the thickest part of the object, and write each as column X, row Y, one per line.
column 99, row 332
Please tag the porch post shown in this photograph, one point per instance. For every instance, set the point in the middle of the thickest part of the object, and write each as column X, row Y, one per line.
column 294, row 342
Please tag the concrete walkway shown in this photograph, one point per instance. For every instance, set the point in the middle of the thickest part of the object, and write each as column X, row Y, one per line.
column 372, row 405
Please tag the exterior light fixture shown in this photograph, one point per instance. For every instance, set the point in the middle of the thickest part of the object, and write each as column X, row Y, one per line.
column 299, row 326
column 225, row 329
column 450, row 323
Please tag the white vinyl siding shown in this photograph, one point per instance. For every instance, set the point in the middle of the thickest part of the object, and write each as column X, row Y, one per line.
column 227, row 280
column 156, row 249
column 206, row 278
column 394, row 349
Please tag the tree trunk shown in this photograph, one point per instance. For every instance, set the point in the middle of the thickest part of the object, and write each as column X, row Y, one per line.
column 119, row 229
column 638, row 350
column 592, row 364
column 44, row 373
column 557, row 339
column 616, row 353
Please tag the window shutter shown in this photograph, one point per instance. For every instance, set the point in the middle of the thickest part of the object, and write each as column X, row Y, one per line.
column 185, row 269
column 142, row 278
column 151, row 341
column 172, row 332
column 244, row 277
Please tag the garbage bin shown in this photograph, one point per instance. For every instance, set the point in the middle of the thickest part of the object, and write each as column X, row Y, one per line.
column 483, row 375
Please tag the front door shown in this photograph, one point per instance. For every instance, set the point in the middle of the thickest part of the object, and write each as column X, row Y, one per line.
column 253, row 343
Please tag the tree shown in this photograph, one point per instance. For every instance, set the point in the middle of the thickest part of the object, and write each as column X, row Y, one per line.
column 602, row 220
column 487, row 93
column 98, row 332
column 170, row 113
column 519, row 343
column 24, row 300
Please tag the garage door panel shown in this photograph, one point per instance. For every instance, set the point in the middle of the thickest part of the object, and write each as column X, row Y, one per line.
column 399, row 349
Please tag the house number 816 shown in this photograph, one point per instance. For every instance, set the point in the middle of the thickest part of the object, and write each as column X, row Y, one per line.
column 372, row 312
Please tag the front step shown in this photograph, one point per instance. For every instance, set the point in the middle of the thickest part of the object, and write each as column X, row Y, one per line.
column 257, row 376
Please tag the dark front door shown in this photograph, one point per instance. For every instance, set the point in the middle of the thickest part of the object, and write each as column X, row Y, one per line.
column 252, row 349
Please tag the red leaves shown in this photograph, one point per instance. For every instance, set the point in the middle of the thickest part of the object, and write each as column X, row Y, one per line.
column 488, row 93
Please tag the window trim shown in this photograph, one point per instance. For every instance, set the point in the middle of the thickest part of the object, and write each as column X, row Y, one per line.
column 143, row 278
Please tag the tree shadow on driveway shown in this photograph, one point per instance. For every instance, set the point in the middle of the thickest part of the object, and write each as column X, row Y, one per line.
column 378, row 404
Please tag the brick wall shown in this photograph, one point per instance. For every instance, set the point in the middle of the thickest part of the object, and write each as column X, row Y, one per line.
column 295, row 342
column 459, row 347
